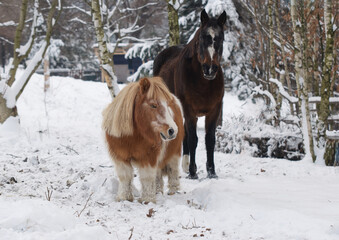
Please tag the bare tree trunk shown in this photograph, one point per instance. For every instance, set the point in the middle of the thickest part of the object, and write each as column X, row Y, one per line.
column 301, row 81
column 273, row 74
column 324, row 109
column 286, row 74
column 261, row 38
column 173, row 22
column 106, row 59
column 46, row 73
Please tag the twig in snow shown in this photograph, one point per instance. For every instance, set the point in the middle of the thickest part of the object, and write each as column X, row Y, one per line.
column 104, row 182
column 79, row 213
column 130, row 236
column 48, row 194
column 70, row 149
column 13, row 156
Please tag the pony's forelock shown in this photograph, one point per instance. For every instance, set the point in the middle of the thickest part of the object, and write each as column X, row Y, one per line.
column 118, row 116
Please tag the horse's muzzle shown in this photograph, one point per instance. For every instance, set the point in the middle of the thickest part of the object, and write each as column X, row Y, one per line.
column 209, row 72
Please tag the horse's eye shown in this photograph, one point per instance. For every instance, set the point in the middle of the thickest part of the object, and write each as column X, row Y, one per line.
column 153, row 105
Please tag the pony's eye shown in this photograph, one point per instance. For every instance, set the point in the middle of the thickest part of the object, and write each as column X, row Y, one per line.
column 153, row 105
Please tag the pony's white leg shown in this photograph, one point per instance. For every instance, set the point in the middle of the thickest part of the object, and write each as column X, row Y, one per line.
column 173, row 175
column 147, row 179
column 185, row 163
column 125, row 175
column 159, row 182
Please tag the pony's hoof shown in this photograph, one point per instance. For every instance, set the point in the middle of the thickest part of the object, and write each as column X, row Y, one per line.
column 192, row 176
column 173, row 191
column 146, row 201
column 124, row 198
column 212, row 175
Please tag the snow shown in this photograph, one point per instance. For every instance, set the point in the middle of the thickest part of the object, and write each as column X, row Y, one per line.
column 59, row 145
column 216, row 7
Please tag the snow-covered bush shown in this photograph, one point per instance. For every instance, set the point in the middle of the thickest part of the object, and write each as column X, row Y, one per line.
column 251, row 135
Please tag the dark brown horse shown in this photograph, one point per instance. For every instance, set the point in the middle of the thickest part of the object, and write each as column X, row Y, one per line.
column 193, row 73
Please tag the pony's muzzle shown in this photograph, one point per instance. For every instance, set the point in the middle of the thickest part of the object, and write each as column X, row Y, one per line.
column 169, row 135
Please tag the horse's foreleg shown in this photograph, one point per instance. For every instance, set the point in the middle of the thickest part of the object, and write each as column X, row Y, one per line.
column 210, row 125
column 172, row 169
column 185, row 158
column 192, row 145
column 125, row 175
column 148, row 186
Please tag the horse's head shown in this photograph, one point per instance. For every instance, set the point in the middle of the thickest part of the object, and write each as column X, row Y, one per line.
column 153, row 112
column 211, row 43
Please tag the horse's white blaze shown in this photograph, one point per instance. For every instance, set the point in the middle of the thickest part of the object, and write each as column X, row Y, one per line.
column 210, row 48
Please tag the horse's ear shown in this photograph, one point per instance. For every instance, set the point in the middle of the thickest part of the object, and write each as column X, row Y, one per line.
column 144, row 85
column 204, row 17
column 222, row 19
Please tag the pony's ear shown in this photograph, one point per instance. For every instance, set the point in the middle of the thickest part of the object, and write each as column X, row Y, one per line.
column 144, row 85
column 222, row 19
column 204, row 17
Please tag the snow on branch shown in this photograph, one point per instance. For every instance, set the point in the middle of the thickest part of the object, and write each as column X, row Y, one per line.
column 9, row 23
column 145, row 69
column 111, row 13
column 23, row 50
column 6, row 40
column 11, row 93
column 125, row 31
column 76, row 19
column 176, row 4
column 80, row 9
column 258, row 91
column 283, row 92
column 138, row 8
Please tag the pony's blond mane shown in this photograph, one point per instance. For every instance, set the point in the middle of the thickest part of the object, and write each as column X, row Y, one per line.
column 118, row 115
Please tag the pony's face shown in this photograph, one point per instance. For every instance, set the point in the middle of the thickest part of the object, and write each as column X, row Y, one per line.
column 211, row 44
column 155, row 116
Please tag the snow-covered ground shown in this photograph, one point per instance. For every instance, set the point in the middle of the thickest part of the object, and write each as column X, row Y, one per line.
column 59, row 147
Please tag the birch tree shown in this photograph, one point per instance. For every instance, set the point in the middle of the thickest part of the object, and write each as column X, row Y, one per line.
column 106, row 59
column 12, row 88
column 302, row 86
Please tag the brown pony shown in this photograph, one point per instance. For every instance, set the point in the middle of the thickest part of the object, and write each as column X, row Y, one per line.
column 193, row 73
column 144, row 128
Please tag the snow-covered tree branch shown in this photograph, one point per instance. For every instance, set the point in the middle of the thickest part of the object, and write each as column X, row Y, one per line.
column 12, row 88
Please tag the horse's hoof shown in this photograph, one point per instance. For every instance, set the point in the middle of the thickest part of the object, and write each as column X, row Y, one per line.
column 192, row 176
column 212, row 175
